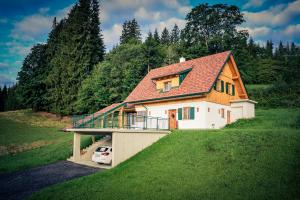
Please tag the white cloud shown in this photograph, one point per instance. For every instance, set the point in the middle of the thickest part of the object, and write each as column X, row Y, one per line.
column 253, row 4
column 36, row 25
column 143, row 14
column 172, row 3
column 184, row 10
column 257, row 31
column 292, row 30
column 276, row 16
column 169, row 24
column 19, row 49
column 111, row 36
column 32, row 26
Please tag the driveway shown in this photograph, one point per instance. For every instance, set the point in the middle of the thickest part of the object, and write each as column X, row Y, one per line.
column 20, row 185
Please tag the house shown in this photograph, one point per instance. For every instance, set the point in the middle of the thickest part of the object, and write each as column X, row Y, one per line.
column 201, row 93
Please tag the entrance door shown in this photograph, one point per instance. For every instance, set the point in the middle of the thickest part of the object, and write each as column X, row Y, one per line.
column 228, row 117
column 172, row 119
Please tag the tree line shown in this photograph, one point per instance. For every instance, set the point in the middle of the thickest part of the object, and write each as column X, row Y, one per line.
column 71, row 73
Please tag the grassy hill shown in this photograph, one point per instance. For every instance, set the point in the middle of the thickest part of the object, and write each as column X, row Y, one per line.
column 30, row 139
column 251, row 159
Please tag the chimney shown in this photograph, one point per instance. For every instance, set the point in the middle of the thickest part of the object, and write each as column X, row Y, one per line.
column 182, row 59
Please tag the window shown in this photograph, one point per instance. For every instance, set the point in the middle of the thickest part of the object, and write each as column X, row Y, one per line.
column 232, row 90
column 142, row 113
column 131, row 118
column 186, row 113
column 167, row 86
column 140, row 116
column 222, row 113
column 227, row 88
column 222, row 86
column 215, row 86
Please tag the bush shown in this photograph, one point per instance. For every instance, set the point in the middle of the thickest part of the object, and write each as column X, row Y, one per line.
column 277, row 95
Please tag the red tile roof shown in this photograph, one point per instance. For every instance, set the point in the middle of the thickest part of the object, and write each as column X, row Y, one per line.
column 200, row 79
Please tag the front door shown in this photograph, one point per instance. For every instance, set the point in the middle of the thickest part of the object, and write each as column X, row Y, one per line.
column 228, row 117
column 172, row 119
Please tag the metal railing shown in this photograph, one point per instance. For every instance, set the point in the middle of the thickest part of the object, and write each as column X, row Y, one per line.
column 115, row 120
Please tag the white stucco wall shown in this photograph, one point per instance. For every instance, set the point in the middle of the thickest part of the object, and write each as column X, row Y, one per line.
column 127, row 144
column 214, row 117
column 203, row 118
column 243, row 109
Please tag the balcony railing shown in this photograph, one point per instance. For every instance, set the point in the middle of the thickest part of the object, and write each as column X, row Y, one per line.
column 127, row 120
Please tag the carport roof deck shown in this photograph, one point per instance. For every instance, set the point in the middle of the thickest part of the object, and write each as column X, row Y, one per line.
column 99, row 131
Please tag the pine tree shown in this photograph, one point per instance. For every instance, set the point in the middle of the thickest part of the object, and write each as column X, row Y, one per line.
column 269, row 49
column 4, row 98
column 153, row 51
column 165, row 37
column 31, row 78
column 1, row 101
column 130, row 32
column 79, row 47
column 175, row 35
column 293, row 49
column 156, row 36
column 97, row 44
column 252, row 47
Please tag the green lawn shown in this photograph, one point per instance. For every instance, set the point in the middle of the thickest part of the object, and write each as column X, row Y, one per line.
column 251, row 159
column 28, row 139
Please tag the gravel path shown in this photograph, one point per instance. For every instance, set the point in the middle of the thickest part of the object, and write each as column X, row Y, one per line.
column 20, row 185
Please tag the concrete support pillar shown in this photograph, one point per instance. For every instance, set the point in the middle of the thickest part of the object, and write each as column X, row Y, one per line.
column 76, row 147
column 113, row 159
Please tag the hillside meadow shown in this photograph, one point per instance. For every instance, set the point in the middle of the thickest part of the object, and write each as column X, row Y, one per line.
column 250, row 159
column 29, row 139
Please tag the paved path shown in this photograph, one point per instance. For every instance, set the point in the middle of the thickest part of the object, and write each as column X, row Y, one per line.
column 20, row 185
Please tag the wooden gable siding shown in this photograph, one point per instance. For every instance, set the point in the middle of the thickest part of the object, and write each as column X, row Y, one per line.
column 174, row 81
column 229, row 75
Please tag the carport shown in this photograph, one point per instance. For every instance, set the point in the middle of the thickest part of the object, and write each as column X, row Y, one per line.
column 125, row 143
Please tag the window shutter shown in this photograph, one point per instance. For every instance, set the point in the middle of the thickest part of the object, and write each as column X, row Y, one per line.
column 233, row 90
column 179, row 113
column 192, row 112
column 222, row 86
column 227, row 88
column 215, row 86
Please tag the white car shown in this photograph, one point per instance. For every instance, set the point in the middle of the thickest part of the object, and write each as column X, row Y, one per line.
column 102, row 155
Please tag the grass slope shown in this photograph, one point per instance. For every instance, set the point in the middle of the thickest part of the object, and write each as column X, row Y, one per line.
column 251, row 159
column 32, row 140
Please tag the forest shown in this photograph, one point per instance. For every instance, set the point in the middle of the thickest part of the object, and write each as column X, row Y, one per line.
column 72, row 73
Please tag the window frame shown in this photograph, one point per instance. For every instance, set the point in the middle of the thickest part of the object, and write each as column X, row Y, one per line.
column 186, row 113
column 222, row 86
column 222, row 112
column 169, row 84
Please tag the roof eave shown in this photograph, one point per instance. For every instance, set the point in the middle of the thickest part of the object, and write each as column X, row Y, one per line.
column 169, row 98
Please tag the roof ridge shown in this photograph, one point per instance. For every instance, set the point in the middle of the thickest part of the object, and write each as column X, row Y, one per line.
column 162, row 67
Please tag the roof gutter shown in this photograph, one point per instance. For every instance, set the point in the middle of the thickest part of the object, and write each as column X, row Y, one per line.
column 169, row 98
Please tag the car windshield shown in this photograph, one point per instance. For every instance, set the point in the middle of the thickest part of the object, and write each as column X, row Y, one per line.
column 101, row 149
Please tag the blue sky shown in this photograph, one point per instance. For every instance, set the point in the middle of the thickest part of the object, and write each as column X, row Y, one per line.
column 24, row 23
